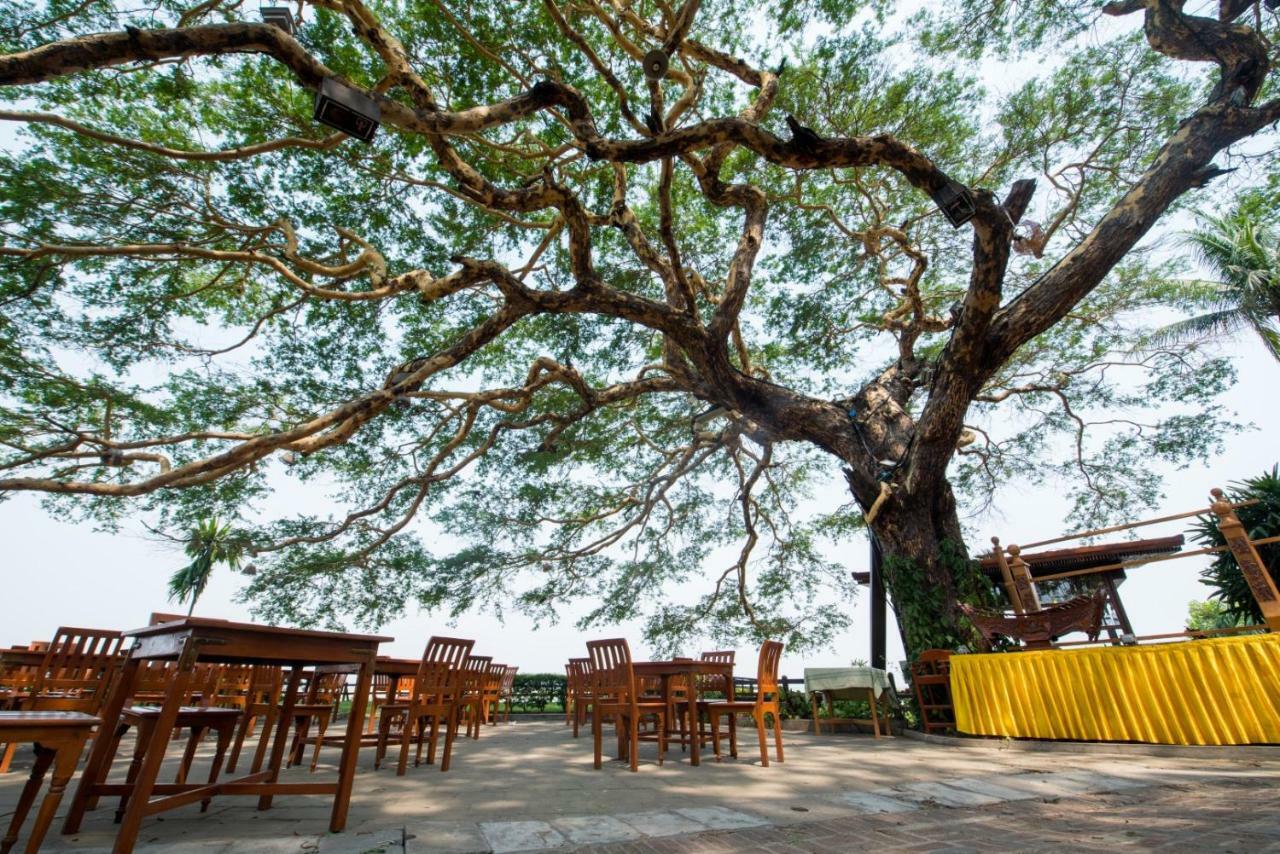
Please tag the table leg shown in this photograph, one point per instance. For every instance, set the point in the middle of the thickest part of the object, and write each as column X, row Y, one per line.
column 140, row 796
column 692, row 696
column 351, row 748
column 44, row 756
column 282, row 732
column 817, row 726
column 64, row 765
column 104, row 744
column 875, row 711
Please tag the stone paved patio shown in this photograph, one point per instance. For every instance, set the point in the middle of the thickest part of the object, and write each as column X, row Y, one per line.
column 530, row 786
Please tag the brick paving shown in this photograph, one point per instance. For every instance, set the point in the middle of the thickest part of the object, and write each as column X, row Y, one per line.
column 1230, row 815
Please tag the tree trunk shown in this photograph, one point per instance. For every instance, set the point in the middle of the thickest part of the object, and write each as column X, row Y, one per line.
column 927, row 570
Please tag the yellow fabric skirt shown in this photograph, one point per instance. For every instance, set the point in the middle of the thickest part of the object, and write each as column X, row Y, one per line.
column 1220, row 691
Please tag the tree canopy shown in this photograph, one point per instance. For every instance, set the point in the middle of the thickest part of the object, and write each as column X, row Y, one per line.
column 567, row 331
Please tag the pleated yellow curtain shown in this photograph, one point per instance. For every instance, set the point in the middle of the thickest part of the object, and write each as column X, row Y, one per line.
column 1219, row 691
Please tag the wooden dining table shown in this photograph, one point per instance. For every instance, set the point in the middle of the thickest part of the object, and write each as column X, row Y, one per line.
column 193, row 639
column 691, row 669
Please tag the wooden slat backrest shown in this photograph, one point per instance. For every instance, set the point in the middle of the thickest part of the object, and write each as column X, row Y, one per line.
column 474, row 672
column 611, row 675
column 714, row 681
column 325, row 688
column 508, row 681
column 767, row 673
column 440, row 673
column 493, row 677
column 79, row 662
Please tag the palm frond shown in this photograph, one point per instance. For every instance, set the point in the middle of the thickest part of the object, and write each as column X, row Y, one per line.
column 1211, row 325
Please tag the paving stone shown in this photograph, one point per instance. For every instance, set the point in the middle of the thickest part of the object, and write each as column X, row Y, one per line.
column 384, row 841
column 721, row 818
column 1003, row 788
column 945, row 795
column 1093, row 781
column 504, row 836
column 595, row 829
column 658, row 823
column 871, row 802
column 444, row 837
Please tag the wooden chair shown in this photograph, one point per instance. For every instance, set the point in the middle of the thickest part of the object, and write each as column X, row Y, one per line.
column 507, row 691
column 434, row 696
column 262, row 701
column 492, row 693
column 193, row 714
column 319, row 706
column 59, row 739
column 75, row 675
column 931, row 682
column 712, row 683
column 475, row 673
column 614, row 693
column 765, row 703
column 579, row 690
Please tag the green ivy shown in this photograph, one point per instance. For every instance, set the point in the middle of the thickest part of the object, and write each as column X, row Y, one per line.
column 921, row 603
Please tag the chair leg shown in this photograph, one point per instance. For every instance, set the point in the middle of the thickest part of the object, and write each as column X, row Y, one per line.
column 451, row 731
column 91, row 803
column 189, row 755
column 733, row 734
column 139, row 753
column 220, row 751
column 321, row 725
column 65, row 760
column 662, row 738
column 245, row 728
column 777, row 733
column 764, row 744
column 596, row 735
column 714, row 719
column 406, row 735
column 44, row 758
column 7, row 757
column 435, row 738
column 577, row 717
column 633, row 741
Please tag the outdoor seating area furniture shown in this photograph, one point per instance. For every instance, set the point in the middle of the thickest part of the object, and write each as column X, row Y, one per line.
column 931, row 681
column 577, row 692
column 435, row 696
column 615, row 693
column 1036, row 629
column 766, row 703
column 59, row 739
column 871, row 684
column 506, row 692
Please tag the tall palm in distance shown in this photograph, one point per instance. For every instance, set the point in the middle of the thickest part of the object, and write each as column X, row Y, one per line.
column 1243, row 257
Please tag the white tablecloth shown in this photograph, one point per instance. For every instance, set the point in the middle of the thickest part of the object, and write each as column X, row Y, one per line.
column 846, row 683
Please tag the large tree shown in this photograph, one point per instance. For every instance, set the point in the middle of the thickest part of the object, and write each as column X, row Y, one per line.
column 606, row 329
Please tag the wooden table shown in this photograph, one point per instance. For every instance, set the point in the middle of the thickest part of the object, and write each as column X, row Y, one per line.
column 22, row 657
column 691, row 669
column 59, row 739
column 849, row 683
column 220, row 641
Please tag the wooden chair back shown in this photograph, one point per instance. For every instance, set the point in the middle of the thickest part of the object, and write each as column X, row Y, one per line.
column 508, row 681
column 767, row 670
column 611, row 676
column 440, row 673
column 714, row 681
column 78, row 666
column 493, row 678
column 475, row 672
column 325, row 688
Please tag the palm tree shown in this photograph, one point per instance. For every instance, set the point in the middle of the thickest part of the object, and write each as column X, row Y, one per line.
column 1244, row 258
column 211, row 543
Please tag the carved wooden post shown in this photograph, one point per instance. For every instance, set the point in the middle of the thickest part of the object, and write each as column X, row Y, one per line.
column 1022, row 580
column 1251, row 567
column 1010, row 589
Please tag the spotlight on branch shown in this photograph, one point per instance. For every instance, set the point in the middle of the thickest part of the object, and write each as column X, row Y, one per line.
column 347, row 109
column 955, row 202
column 655, row 64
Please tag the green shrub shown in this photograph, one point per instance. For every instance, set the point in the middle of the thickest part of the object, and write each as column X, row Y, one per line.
column 537, row 691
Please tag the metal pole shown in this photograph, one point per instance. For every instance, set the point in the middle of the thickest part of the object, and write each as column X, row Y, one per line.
column 879, row 624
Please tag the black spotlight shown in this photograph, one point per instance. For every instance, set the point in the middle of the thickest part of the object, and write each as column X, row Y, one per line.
column 347, row 109
column 955, row 202
column 655, row 64
column 278, row 15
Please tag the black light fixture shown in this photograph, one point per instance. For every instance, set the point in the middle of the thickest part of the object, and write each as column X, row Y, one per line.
column 280, row 16
column 655, row 64
column 955, row 202
column 347, row 109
